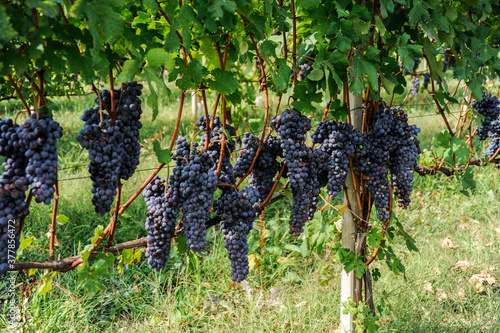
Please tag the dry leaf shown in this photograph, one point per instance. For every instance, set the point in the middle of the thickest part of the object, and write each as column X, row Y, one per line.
column 461, row 294
column 461, row 265
column 448, row 244
column 478, row 280
column 338, row 225
column 428, row 287
column 441, row 295
column 301, row 304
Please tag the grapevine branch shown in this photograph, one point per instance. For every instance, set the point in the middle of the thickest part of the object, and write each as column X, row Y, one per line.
column 294, row 41
column 66, row 264
column 115, row 214
column 19, row 94
column 53, row 222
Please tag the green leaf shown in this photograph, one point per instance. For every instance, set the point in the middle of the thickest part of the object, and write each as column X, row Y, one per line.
column 46, row 284
column 151, row 5
column 26, row 242
column 316, row 75
column 7, row 32
column 293, row 248
column 418, row 14
column 60, row 219
column 386, row 6
column 474, row 84
column 224, row 82
column 407, row 52
column 32, row 271
column 308, row 4
column 163, row 155
column 467, row 181
column 362, row 67
column 130, row 69
column 105, row 23
column 157, row 57
column 374, row 237
column 282, row 76
column 97, row 233
column 220, row 6
column 269, row 47
column 255, row 123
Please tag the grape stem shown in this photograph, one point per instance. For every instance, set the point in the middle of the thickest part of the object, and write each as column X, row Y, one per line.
column 112, row 92
column 23, row 218
column 115, row 215
column 205, row 107
column 54, row 219
column 270, row 195
column 384, row 230
column 19, row 94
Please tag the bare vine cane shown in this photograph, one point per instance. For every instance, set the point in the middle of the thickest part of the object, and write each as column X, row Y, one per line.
column 19, row 94
column 54, row 220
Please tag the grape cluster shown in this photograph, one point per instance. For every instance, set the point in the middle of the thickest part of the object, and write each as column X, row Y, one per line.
column 291, row 124
column 489, row 107
column 494, row 135
column 403, row 157
column 237, row 213
column 305, row 197
column 103, row 140
column 112, row 144
column 39, row 137
column 13, row 185
column 302, row 163
column 427, row 80
column 160, row 222
column 266, row 167
column 303, row 69
column 416, row 62
column 338, row 141
column 215, row 146
column 198, row 183
column 374, row 158
column 31, row 159
column 390, row 145
column 129, row 112
column 247, row 155
column 415, row 85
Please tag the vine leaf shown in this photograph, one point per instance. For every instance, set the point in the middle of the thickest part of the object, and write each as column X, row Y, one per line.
column 46, row 284
column 225, row 82
column 316, row 75
column 163, row 155
column 6, row 30
column 408, row 51
column 61, row 219
column 157, row 57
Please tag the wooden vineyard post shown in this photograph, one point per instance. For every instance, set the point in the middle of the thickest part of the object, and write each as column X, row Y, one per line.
column 351, row 286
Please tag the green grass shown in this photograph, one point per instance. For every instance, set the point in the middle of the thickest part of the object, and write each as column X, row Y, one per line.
column 285, row 292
